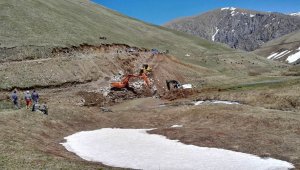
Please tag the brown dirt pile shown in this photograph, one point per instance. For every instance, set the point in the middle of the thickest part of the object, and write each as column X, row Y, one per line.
column 176, row 94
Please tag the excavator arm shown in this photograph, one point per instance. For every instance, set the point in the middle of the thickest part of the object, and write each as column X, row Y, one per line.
column 125, row 81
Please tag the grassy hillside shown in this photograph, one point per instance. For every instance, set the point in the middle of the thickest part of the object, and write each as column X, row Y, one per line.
column 68, row 22
column 289, row 43
column 30, row 29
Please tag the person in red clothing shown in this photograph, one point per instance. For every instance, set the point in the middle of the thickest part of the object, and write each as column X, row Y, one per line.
column 27, row 99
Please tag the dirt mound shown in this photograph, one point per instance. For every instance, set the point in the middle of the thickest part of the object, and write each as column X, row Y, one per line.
column 178, row 94
column 92, row 99
column 113, row 97
column 124, row 94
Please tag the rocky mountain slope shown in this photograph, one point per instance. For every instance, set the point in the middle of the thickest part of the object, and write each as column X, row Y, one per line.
column 284, row 49
column 238, row 28
column 295, row 14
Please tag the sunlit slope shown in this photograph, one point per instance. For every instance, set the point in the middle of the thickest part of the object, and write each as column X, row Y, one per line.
column 69, row 22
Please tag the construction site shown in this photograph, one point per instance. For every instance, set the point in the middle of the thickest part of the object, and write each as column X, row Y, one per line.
column 126, row 87
column 118, row 93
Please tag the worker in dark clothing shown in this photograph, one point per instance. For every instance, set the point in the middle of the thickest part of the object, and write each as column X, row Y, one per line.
column 35, row 97
column 14, row 98
column 40, row 107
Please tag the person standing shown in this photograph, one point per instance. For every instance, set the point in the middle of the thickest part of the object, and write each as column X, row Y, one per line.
column 27, row 99
column 35, row 97
column 14, row 98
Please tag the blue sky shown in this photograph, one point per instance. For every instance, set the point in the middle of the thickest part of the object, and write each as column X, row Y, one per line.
column 161, row 11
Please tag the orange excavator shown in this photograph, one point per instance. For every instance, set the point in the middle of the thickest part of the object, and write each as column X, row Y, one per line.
column 125, row 81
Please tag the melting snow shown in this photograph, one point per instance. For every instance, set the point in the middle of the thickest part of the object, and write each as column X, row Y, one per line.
column 295, row 14
column 135, row 148
column 228, row 8
column 251, row 15
column 293, row 58
column 272, row 55
column 277, row 56
column 198, row 103
column 187, row 86
column 215, row 102
column 213, row 37
column 176, row 126
column 283, row 53
column 224, row 102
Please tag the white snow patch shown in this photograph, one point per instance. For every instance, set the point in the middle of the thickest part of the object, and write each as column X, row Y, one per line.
column 215, row 102
column 298, row 49
column 278, row 55
column 283, row 53
column 136, row 149
column 294, row 57
column 228, row 8
column 272, row 55
column 198, row 103
column 187, row 55
column 233, row 13
column 232, row 30
column 295, row 14
column 251, row 15
column 176, row 126
column 187, row 86
column 223, row 102
column 213, row 37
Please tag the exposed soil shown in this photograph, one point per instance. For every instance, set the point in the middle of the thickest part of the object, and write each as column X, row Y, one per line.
column 31, row 140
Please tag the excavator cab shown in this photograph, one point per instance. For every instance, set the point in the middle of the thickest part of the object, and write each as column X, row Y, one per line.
column 174, row 83
column 147, row 68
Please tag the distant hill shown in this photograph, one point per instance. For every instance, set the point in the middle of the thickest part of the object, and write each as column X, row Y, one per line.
column 284, row 49
column 238, row 28
column 295, row 14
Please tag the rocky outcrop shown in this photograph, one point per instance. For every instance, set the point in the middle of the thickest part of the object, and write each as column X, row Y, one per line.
column 238, row 28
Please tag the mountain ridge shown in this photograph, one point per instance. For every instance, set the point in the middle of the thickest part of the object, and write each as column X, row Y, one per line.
column 239, row 28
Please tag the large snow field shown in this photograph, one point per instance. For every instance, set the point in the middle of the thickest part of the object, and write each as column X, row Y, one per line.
column 135, row 148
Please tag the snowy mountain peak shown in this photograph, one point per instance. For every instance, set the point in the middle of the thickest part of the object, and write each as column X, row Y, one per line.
column 228, row 8
column 295, row 14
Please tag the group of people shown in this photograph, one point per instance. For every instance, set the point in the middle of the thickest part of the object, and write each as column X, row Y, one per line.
column 29, row 98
